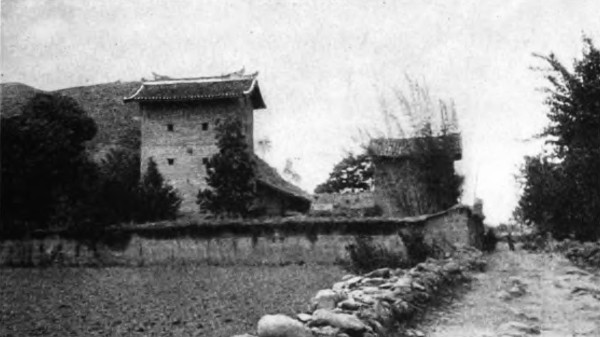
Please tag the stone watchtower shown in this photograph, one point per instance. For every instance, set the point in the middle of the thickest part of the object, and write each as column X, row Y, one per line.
column 178, row 124
column 396, row 174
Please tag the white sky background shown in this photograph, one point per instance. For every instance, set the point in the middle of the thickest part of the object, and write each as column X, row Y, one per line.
column 323, row 66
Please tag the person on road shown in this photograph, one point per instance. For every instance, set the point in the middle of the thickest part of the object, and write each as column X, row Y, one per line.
column 511, row 243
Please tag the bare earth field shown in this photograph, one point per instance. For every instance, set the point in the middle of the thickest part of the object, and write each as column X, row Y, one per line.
column 153, row 301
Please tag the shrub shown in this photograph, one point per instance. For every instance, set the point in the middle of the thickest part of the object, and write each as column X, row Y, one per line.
column 158, row 200
column 416, row 248
column 366, row 255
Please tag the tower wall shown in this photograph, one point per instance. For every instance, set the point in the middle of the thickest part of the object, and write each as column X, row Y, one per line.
column 181, row 136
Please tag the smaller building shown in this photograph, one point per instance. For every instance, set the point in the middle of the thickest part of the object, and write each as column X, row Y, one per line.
column 276, row 196
column 354, row 204
column 397, row 167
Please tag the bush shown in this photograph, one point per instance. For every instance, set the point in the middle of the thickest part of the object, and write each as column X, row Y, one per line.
column 366, row 255
column 416, row 248
column 158, row 200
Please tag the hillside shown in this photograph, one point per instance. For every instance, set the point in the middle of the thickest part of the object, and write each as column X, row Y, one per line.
column 118, row 123
column 14, row 97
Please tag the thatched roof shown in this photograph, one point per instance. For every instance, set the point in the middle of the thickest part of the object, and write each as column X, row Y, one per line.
column 406, row 147
column 268, row 176
column 200, row 89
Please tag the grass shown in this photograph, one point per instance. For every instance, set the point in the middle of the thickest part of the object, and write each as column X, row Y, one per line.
column 153, row 301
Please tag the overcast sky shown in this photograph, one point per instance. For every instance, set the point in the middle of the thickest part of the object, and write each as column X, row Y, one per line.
column 324, row 66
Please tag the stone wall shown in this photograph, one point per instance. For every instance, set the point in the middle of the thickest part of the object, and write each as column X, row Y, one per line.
column 458, row 226
column 379, row 303
column 268, row 241
column 180, row 153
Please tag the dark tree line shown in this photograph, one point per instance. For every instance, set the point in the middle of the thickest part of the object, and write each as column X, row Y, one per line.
column 561, row 189
column 49, row 181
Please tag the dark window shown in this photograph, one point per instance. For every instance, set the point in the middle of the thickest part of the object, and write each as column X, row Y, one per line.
column 170, row 161
column 204, row 126
column 170, row 127
column 205, row 161
column 190, row 150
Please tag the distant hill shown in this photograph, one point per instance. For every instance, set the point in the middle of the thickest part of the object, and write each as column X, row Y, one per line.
column 14, row 97
column 118, row 123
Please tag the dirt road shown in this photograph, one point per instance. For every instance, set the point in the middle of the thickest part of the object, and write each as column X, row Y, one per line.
column 523, row 294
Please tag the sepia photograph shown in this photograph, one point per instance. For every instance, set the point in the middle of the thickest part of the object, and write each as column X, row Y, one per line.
column 300, row 168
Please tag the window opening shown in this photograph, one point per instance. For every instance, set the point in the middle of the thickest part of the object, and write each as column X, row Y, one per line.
column 204, row 126
column 170, row 161
column 170, row 127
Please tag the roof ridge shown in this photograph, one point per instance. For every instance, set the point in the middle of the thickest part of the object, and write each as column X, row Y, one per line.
column 235, row 76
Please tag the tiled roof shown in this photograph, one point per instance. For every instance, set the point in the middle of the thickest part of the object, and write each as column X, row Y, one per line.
column 199, row 89
column 406, row 147
column 270, row 177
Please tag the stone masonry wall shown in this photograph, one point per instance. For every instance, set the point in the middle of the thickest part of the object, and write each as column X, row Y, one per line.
column 379, row 303
column 455, row 227
column 180, row 153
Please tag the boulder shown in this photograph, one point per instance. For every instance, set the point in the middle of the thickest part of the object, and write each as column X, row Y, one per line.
column 504, row 295
column 326, row 299
column 517, row 329
column 376, row 281
column 304, row 317
column 349, row 304
column 353, row 281
column 381, row 272
column 451, row 268
column 404, row 282
column 325, row 331
column 281, row 326
column 345, row 322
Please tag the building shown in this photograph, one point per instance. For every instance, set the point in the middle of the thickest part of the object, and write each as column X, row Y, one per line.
column 179, row 117
column 396, row 177
column 351, row 204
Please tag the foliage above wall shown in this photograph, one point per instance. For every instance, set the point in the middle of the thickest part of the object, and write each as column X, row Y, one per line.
column 352, row 174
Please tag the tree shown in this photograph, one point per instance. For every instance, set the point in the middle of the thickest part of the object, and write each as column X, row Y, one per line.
column 44, row 161
column 157, row 199
column 352, row 174
column 428, row 178
column 119, row 186
column 561, row 189
column 230, row 174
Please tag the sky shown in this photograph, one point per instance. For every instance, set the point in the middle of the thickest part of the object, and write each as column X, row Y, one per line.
column 324, row 67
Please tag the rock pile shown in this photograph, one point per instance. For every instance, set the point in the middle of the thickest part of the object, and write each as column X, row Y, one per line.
column 582, row 254
column 374, row 304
